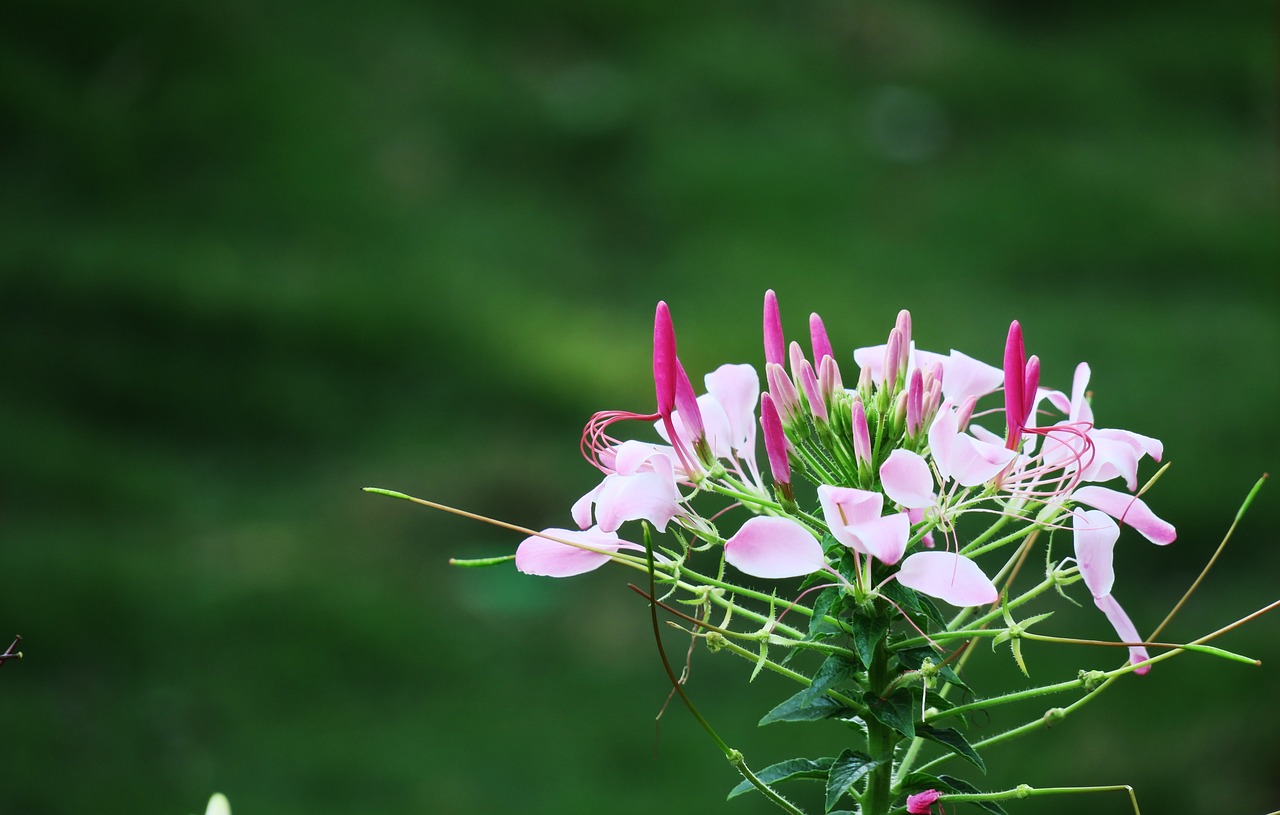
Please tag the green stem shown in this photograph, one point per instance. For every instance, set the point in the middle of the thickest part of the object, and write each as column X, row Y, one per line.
column 881, row 739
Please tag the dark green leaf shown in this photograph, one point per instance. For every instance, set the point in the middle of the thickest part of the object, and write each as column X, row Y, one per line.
column 792, row 768
column 800, row 709
column 823, row 606
column 847, row 770
column 895, row 712
column 953, row 741
column 833, row 670
column 913, row 658
column 960, row 785
column 868, row 632
column 916, row 782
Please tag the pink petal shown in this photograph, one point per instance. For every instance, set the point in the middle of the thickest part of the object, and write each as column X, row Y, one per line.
column 774, row 548
column 551, row 558
column 1095, row 540
column 964, row 376
column 1127, row 509
column 1125, row 629
column 906, row 480
column 884, row 538
column 737, row 389
column 949, row 577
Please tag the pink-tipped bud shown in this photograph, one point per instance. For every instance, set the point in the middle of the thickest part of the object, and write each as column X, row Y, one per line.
column 932, row 400
column 664, row 359
column 775, row 441
column 965, row 412
column 933, row 375
column 809, row 383
column 818, row 339
column 687, row 404
column 783, row 392
column 894, row 359
column 829, row 377
column 1015, row 372
column 903, row 324
column 864, row 381
column 861, row 433
column 1029, row 385
column 915, row 401
column 774, row 345
column 795, row 355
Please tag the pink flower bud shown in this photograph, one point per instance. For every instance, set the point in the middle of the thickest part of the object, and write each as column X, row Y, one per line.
column 775, row 441
column 1015, row 374
column 861, row 433
column 774, row 344
column 783, row 392
column 915, row 401
column 894, row 359
column 818, row 339
column 1030, row 383
column 903, row 324
column 829, row 377
column 664, row 359
column 809, row 383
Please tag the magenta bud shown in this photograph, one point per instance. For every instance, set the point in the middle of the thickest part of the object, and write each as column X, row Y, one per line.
column 1015, row 371
column 818, row 339
column 774, row 344
column 775, row 441
column 1029, row 385
column 861, row 433
column 664, row 359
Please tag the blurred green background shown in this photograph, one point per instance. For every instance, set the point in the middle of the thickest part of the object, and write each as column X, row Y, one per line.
column 256, row 255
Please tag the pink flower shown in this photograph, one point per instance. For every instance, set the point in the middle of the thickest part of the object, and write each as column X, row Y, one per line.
column 922, row 802
column 854, row 518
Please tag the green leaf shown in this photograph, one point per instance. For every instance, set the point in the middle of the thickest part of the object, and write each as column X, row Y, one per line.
column 868, row 632
column 847, row 770
column 895, row 712
column 917, row 782
column 960, row 785
column 822, row 607
column 480, row 562
column 833, row 670
column 800, row 709
column 792, row 768
column 953, row 741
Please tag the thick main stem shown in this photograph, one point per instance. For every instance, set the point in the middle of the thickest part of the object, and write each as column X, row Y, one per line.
column 881, row 739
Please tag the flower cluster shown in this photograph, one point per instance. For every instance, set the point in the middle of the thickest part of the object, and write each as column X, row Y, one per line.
column 900, row 463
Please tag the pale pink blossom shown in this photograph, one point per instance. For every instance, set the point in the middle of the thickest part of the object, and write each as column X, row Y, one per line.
column 854, row 517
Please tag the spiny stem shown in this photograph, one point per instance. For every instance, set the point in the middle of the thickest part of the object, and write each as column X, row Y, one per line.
column 734, row 756
column 1025, row 791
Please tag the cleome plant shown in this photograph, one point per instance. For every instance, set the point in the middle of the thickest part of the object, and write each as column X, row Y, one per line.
column 897, row 515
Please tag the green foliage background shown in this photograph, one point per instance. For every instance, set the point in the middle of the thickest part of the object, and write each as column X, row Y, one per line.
column 256, row 255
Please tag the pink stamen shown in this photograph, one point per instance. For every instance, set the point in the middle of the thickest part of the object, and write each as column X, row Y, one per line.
column 596, row 441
